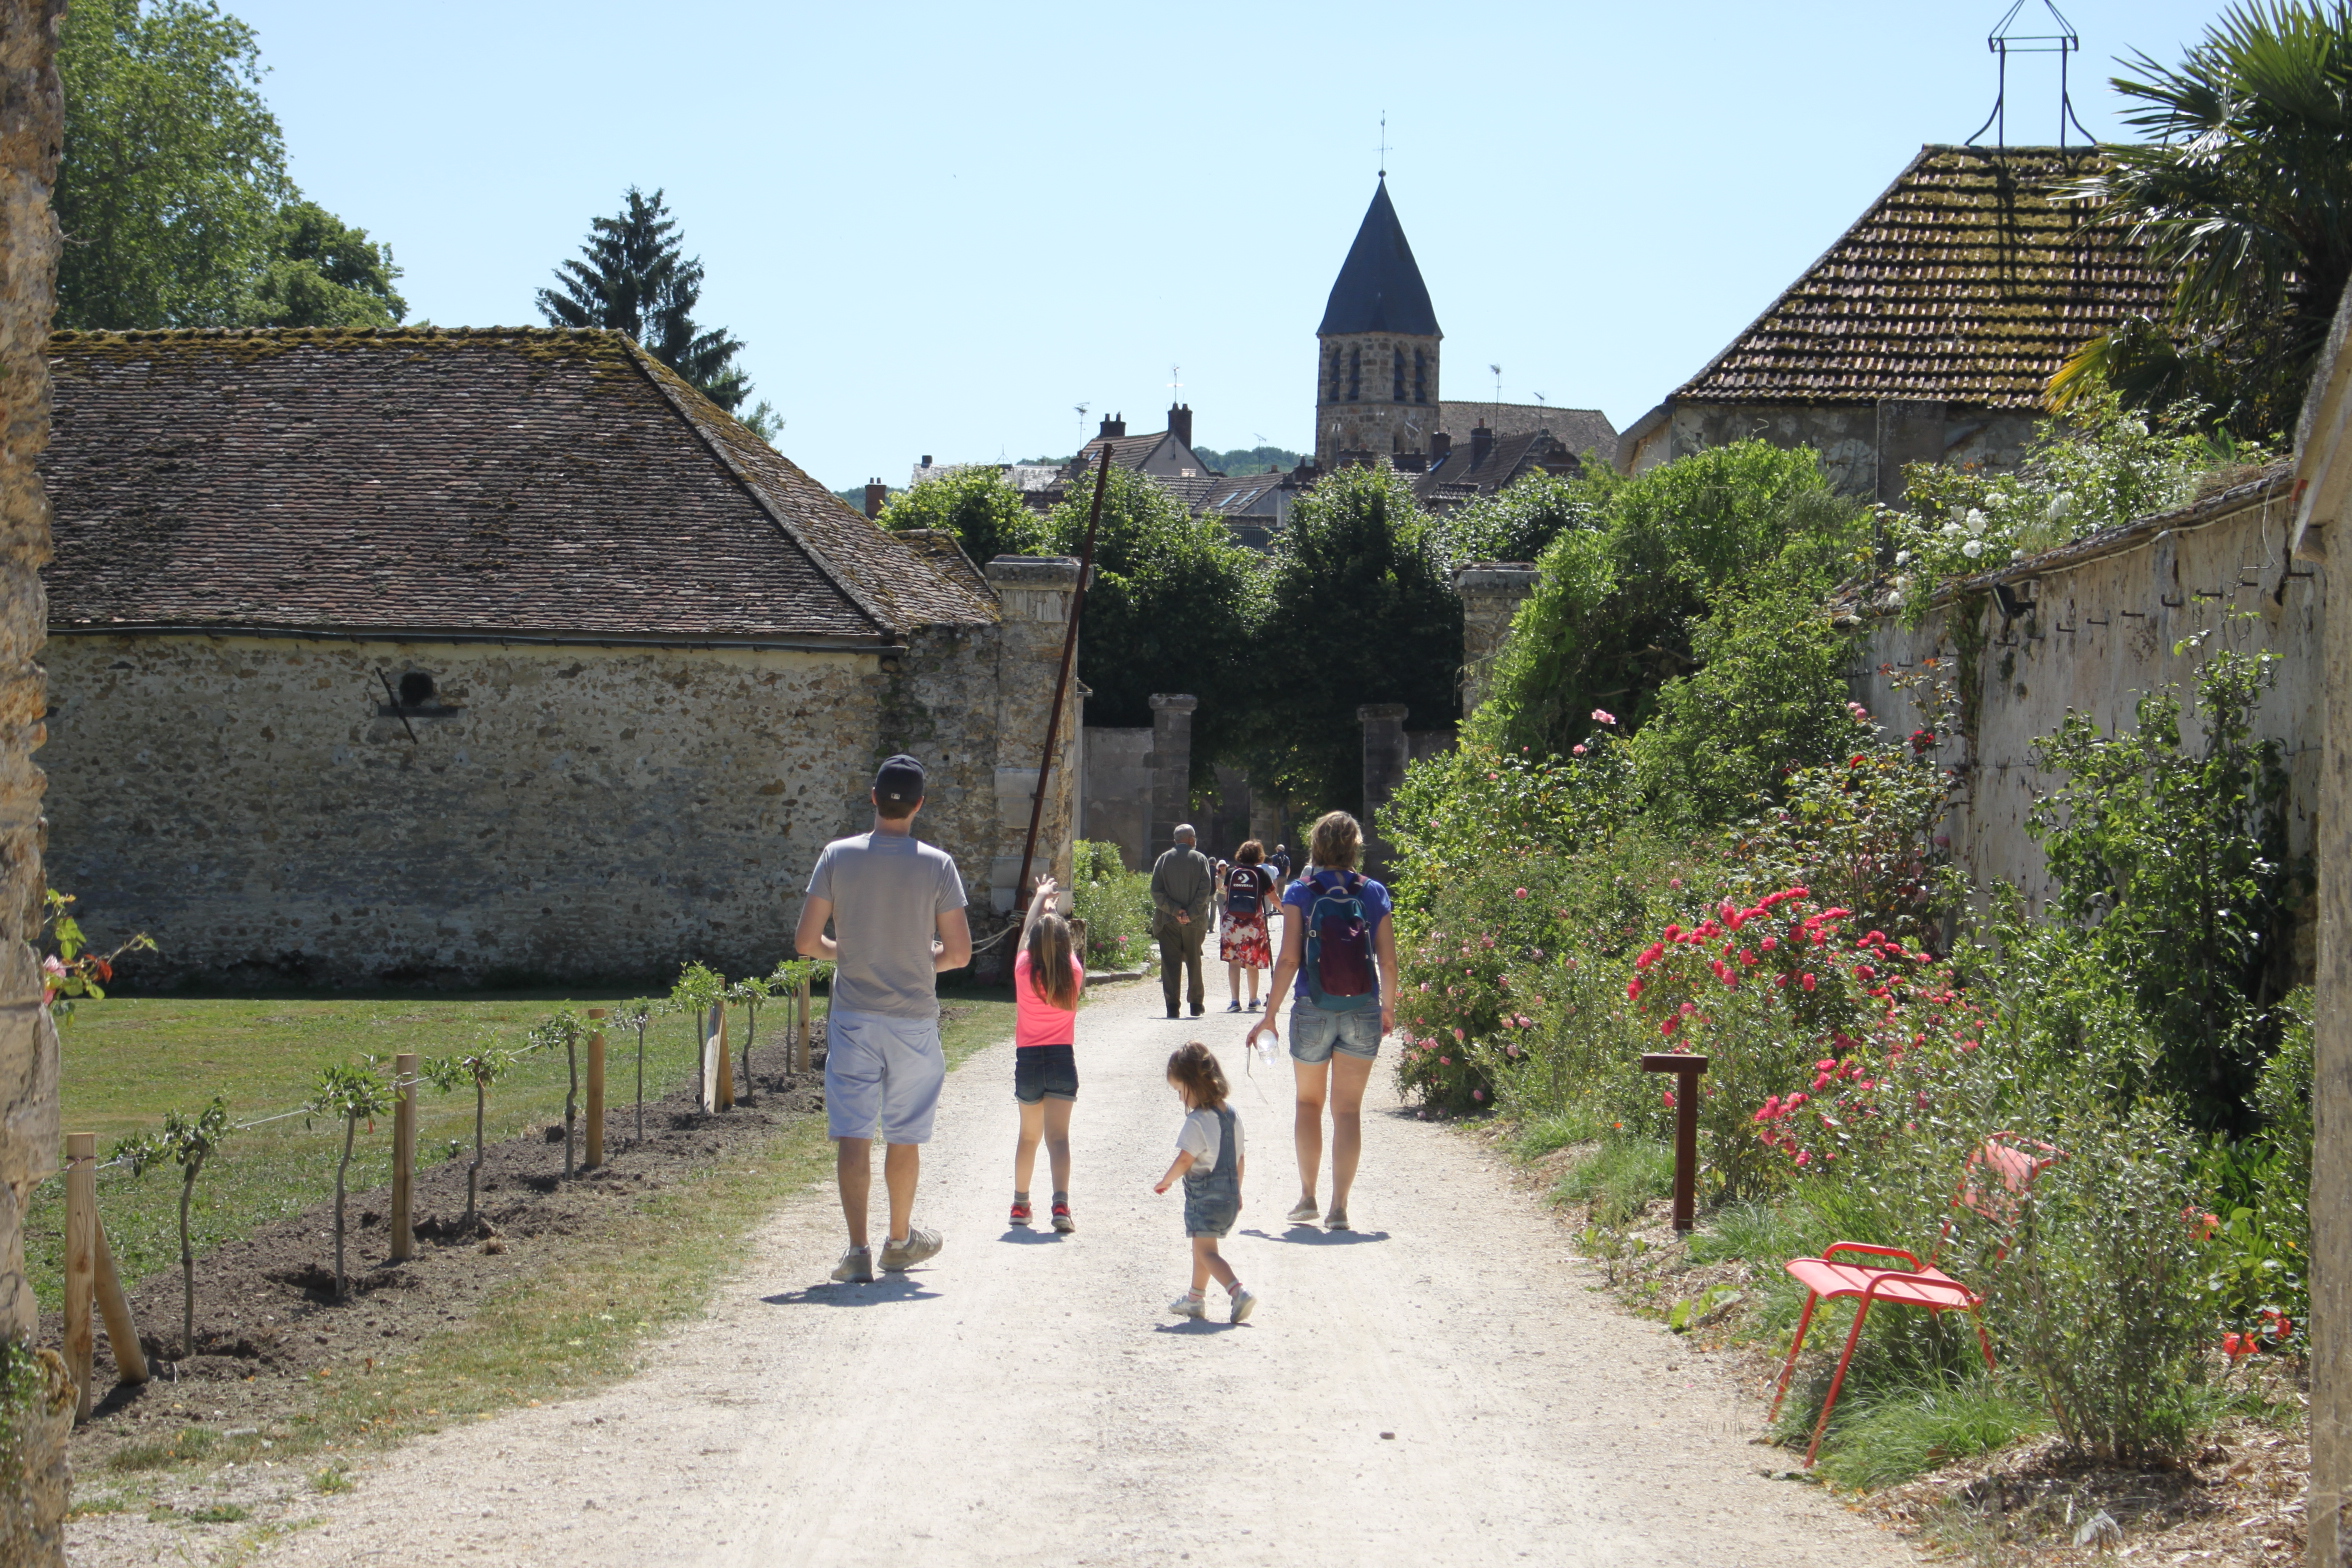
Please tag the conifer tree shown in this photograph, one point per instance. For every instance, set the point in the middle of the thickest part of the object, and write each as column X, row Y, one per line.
column 633, row 275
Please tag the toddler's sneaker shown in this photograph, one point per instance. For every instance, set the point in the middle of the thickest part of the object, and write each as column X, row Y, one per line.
column 855, row 1268
column 919, row 1244
column 1022, row 1214
column 1243, row 1301
column 1062, row 1222
column 1190, row 1305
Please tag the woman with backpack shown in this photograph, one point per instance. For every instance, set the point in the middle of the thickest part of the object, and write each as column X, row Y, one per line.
column 1249, row 889
column 1339, row 942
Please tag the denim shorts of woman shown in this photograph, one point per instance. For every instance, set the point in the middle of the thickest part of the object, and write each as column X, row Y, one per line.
column 1315, row 1033
column 1212, row 1202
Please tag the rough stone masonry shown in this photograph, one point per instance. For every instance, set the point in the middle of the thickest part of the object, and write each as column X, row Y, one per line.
column 32, row 120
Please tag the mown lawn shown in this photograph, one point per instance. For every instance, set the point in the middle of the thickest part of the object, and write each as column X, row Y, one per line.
column 128, row 1060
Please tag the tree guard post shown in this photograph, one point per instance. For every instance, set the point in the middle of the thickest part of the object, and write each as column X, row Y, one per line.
column 1686, row 1069
column 595, row 1155
column 404, row 1114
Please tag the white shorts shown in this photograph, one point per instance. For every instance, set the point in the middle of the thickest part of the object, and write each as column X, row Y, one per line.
column 884, row 1071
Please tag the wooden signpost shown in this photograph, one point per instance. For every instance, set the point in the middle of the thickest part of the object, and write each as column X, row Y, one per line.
column 1686, row 1069
column 404, row 1113
column 595, row 1092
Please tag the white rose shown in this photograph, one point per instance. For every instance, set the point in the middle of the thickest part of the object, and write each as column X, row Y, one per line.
column 2061, row 506
column 1950, row 531
column 1976, row 521
column 1973, row 548
column 1902, row 558
column 2017, row 555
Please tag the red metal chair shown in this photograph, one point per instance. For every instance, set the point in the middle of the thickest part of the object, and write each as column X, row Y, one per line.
column 2016, row 1162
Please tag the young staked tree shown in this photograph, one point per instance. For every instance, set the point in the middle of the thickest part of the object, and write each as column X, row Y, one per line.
column 638, row 1013
column 187, row 1141
column 750, row 995
column 633, row 275
column 564, row 1029
column 700, row 990
column 352, row 1095
column 482, row 1066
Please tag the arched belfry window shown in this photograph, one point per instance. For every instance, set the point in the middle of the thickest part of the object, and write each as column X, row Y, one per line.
column 1337, row 373
column 1355, row 372
column 1420, row 375
column 1396, row 371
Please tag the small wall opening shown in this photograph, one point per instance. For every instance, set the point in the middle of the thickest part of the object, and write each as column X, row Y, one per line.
column 416, row 690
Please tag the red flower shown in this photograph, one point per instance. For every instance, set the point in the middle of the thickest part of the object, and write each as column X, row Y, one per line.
column 1806, row 981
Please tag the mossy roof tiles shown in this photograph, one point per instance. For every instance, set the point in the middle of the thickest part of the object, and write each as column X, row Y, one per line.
column 496, row 481
column 1967, row 282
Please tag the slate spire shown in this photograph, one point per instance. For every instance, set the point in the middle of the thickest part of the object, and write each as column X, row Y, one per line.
column 1379, row 287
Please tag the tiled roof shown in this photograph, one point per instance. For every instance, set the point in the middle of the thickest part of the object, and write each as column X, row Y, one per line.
column 521, row 481
column 1458, row 478
column 1379, row 288
column 1243, row 495
column 1581, row 430
column 1965, row 283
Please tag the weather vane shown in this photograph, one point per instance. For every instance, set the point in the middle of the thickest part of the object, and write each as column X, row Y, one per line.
column 2002, row 42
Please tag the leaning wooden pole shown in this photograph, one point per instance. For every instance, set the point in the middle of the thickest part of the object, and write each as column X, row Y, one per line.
column 122, row 1335
column 1053, row 720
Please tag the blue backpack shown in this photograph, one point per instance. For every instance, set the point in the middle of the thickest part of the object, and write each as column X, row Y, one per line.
column 1340, row 977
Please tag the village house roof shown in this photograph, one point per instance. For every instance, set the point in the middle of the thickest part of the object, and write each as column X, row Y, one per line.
column 1581, row 430
column 514, row 482
column 1967, row 282
column 1379, row 288
column 1464, row 474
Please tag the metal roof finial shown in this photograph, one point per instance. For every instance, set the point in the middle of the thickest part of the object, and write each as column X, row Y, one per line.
column 2004, row 40
column 1384, row 144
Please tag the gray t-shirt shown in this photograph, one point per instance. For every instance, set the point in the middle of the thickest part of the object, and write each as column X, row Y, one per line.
column 888, row 891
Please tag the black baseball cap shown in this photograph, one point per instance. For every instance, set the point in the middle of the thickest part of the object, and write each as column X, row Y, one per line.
column 899, row 781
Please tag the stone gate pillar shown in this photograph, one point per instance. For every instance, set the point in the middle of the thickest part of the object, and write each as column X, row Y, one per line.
column 1171, row 768
column 1386, row 751
column 33, row 1487
column 1492, row 592
column 1033, row 594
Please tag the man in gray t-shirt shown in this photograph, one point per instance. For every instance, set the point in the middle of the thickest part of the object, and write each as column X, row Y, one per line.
column 897, row 909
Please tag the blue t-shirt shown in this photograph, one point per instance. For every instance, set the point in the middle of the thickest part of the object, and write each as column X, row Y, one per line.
column 1300, row 895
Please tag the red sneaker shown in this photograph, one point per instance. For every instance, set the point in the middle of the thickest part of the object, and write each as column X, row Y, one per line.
column 1021, row 1212
column 1061, row 1219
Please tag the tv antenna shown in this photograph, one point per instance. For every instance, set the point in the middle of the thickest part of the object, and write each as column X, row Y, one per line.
column 2004, row 40
column 1082, row 408
column 1498, row 397
column 1175, row 383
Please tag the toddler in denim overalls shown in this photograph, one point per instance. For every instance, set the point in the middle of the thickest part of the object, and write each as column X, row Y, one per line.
column 1211, row 1138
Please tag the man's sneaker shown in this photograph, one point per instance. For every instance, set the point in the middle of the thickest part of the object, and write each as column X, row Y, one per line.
column 1306, row 1213
column 1172, row 1012
column 1196, row 1009
column 1243, row 1301
column 855, row 1268
column 1189, row 1305
column 1061, row 1219
column 1022, row 1214
column 1336, row 1219
column 919, row 1244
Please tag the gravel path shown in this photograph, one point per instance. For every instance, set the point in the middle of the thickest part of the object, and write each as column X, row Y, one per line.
column 1024, row 1399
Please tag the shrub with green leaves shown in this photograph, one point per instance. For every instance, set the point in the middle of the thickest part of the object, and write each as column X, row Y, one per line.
column 1114, row 902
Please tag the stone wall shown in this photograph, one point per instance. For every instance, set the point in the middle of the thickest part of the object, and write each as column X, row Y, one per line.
column 1492, row 592
column 33, row 1488
column 1119, row 791
column 1863, row 446
column 2099, row 624
column 1034, row 593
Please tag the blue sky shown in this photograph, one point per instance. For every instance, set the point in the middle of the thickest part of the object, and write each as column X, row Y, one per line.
column 941, row 227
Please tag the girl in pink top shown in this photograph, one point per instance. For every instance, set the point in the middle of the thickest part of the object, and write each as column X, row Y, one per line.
column 1047, row 979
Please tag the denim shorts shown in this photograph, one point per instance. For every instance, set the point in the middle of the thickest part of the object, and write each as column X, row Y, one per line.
column 1315, row 1034
column 1044, row 1072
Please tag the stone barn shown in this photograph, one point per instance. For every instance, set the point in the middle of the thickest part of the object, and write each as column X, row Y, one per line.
column 451, row 656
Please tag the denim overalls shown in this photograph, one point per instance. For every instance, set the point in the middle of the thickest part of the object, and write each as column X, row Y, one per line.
column 1212, row 1201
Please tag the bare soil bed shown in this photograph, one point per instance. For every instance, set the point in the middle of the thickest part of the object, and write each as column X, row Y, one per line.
column 267, row 1322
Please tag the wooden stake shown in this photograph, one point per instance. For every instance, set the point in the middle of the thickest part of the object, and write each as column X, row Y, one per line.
column 726, row 1062
column 1686, row 1069
column 707, row 1098
column 404, row 1072
column 81, row 1261
column 595, row 1092
column 807, row 1006
column 122, row 1336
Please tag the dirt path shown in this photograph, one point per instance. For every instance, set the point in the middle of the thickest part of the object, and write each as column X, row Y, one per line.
column 1025, row 1399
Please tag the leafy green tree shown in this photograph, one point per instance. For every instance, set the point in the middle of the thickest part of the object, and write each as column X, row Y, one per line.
column 986, row 515
column 1174, row 607
column 1361, row 609
column 352, row 1095
column 188, row 1142
column 1516, row 525
column 173, row 192
column 633, row 275
column 565, row 1029
column 325, row 273
column 2244, row 190
column 481, row 1067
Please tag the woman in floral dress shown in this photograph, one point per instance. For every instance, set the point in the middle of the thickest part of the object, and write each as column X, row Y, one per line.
column 1249, row 893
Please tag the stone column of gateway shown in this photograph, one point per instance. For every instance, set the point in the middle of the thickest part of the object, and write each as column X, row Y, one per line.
column 33, row 1487
column 1171, row 766
column 1033, row 593
column 1492, row 592
column 1386, row 752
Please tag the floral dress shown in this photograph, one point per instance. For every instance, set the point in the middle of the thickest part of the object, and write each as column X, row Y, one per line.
column 1244, row 940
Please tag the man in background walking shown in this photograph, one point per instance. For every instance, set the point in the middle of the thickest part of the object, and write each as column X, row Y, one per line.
column 897, row 907
column 1181, row 886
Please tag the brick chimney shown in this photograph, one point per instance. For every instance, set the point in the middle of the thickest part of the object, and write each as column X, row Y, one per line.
column 1481, row 443
column 1441, row 447
column 1180, row 422
column 1113, row 428
column 876, row 493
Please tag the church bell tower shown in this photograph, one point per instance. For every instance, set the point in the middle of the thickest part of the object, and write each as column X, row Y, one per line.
column 1376, row 389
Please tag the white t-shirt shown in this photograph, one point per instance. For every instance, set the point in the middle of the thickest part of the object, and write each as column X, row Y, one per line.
column 1200, row 1138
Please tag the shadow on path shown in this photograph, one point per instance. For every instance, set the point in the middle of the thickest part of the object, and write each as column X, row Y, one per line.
column 1024, row 1236
column 1316, row 1236
column 894, row 1287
